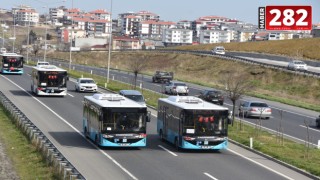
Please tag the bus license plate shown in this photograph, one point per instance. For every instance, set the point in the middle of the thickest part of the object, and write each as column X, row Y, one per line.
column 205, row 147
column 124, row 144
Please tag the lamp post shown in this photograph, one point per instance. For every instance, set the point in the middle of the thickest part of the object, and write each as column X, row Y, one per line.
column 70, row 56
column 110, row 42
column 45, row 37
column 3, row 30
column 14, row 32
column 28, row 39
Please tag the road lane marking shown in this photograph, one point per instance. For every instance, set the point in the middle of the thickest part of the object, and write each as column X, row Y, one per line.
column 174, row 154
column 255, row 162
column 310, row 128
column 210, row 176
column 62, row 119
column 70, row 95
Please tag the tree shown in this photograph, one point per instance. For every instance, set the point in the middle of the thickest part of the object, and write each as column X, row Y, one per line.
column 136, row 66
column 35, row 49
column 237, row 83
column 32, row 37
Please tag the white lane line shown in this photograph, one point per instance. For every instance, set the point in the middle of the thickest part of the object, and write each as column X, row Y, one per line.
column 210, row 176
column 266, row 167
column 174, row 154
column 310, row 128
column 70, row 95
column 62, row 119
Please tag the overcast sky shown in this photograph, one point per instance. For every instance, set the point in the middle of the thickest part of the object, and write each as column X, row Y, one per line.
column 174, row 10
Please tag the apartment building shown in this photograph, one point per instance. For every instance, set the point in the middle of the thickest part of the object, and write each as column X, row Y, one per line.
column 245, row 35
column 214, row 36
column 23, row 15
column 130, row 22
column 177, row 36
column 56, row 15
column 185, row 24
column 101, row 14
column 152, row 29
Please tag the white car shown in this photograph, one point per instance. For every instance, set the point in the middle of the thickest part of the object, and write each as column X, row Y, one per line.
column 218, row 50
column 297, row 65
column 86, row 85
column 255, row 109
column 42, row 63
column 176, row 88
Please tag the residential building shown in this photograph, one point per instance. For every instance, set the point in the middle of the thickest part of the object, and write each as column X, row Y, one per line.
column 214, row 36
column 153, row 29
column 125, row 42
column 101, row 14
column 184, row 24
column 56, row 15
column 177, row 36
column 244, row 35
column 129, row 22
column 25, row 17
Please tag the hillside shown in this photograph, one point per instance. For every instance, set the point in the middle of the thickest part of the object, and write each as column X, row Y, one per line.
column 303, row 48
column 208, row 71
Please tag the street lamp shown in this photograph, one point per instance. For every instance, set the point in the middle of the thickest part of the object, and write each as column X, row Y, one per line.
column 28, row 39
column 110, row 39
column 3, row 30
column 45, row 37
column 70, row 58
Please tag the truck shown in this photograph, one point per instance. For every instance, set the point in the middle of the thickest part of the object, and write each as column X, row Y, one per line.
column 162, row 76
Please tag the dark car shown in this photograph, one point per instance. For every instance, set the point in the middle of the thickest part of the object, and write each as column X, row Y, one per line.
column 213, row 96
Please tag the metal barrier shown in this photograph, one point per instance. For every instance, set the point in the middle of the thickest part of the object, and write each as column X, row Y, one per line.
column 52, row 155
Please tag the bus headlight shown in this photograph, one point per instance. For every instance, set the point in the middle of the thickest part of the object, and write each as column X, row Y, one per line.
column 108, row 136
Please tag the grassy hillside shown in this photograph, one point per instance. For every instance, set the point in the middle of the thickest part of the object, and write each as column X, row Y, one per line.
column 304, row 48
column 204, row 70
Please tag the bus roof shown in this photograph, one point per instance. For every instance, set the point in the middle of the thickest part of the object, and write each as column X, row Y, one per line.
column 113, row 100
column 48, row 68
column 11, row 54
column 191, row 102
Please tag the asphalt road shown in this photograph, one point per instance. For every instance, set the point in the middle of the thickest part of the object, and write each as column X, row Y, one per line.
column 293, row 121
column 60, row 119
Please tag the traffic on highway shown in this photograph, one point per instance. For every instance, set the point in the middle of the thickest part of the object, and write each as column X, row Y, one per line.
column 158, row 159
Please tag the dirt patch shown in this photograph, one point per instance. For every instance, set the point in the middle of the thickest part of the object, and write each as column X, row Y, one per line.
column 6, row 168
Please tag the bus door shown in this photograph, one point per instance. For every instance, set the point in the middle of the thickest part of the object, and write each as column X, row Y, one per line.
column 165, row 121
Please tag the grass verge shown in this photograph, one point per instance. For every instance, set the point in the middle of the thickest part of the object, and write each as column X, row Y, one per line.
column 27, row 161
column 298, row 155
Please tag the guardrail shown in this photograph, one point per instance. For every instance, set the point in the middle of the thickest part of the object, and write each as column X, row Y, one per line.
column 52, row 155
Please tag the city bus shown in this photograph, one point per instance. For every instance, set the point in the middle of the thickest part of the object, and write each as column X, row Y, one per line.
column 49, row 80
column 11, row 63
column 190, row 123
column 112, row 120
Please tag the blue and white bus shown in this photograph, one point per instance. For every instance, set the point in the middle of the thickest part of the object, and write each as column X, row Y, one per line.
column 191, row 123
column 112, row 120
column 11, row 63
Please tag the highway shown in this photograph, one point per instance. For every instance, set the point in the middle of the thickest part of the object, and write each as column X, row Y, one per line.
column 292, row 121
column 60, row 119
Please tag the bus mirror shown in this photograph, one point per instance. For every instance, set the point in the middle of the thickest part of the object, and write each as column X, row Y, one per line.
column 148, row 117
column 230, row 118
column 67, row 78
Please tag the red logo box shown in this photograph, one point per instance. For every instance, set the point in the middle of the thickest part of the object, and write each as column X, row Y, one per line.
column 288, row 18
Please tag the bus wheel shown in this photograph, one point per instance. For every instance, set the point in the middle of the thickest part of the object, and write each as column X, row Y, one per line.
column 86, row 132
column 176, row 143
column 161, row 136
column 96, row 140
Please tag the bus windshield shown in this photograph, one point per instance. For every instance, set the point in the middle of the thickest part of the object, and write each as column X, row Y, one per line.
column 205, row 122
column 124, row 122
column 52, row 79
column 12, row 62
